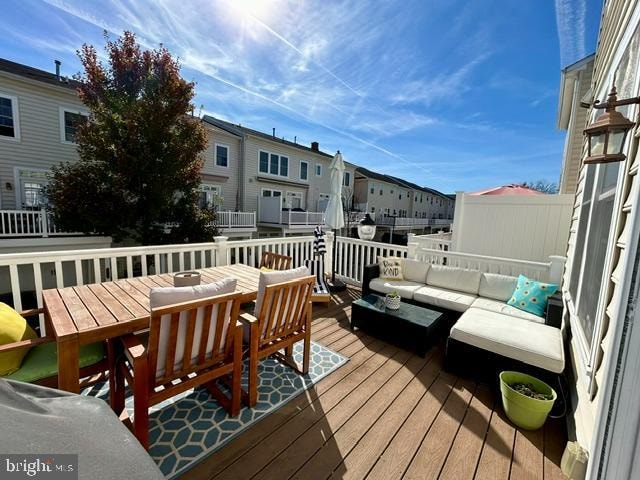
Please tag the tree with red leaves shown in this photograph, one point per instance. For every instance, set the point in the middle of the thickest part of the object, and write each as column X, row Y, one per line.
column 141, row 152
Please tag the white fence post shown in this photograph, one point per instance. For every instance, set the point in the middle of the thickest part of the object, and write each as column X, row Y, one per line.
column 412, row 245
column 44, row 222
column 222, row 254
column 556, row 269
column 328, row 257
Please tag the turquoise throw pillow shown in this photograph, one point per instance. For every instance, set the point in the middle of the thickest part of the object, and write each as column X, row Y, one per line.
column 531, row 295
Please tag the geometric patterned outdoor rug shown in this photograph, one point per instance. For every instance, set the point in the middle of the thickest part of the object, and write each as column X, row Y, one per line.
column 187, row 428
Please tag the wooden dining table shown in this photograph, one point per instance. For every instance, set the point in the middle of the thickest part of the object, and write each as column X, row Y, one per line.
column 93, row 313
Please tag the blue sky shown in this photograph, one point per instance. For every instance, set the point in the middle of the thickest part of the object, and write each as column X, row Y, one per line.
column 454, row 95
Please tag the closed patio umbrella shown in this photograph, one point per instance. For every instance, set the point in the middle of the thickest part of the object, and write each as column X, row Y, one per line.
column 334, row 215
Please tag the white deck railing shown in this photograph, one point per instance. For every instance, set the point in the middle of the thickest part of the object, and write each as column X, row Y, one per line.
column 384, row 220
column 22, row 273
column 434, row 241
column 28, row 223
column 302, row 218
column 228, row 220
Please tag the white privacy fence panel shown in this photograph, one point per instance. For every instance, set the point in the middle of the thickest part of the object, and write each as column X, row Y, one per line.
column 524, row 227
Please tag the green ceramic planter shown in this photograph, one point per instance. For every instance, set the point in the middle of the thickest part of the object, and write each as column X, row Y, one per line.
column 526, row 412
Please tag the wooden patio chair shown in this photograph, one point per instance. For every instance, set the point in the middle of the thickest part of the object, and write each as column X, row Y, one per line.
column 283, row 318
column 159, row 369
column 275, row 261
column 40, row 365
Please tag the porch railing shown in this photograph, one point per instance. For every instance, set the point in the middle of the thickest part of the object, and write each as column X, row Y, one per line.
column 302, row 218
column 23, row 276
column 236, row 220
column 28, row 223
column 391, row 221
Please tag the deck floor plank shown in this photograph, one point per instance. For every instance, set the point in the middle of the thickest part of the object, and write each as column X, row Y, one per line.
column 386, row 414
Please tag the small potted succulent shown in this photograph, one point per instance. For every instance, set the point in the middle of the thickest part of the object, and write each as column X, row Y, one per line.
column 526, row 400
column 392, row 300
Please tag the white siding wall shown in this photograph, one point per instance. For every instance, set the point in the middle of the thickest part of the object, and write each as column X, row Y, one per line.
column 226, row 178
column 40, row 145
column 526, row 228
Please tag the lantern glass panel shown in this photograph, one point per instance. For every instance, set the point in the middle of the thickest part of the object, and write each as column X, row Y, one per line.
column 597, row 144
column 616, row 141
column 366, row 232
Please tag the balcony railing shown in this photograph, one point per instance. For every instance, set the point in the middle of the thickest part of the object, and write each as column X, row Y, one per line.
column 386, row 220
column 28, row 223
column 236, row 220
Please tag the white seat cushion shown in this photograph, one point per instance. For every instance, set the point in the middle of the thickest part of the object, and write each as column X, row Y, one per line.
column 503, row 308
column 442, row 297
column 531, row 343
column 414, row 270
column 496, row 286
column 459, row 279
column 405, row 288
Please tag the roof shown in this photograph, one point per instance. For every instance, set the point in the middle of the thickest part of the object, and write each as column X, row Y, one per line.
column 239, row 131
column 36, row 74
column 399, row 181
column 567, row 87
column 511, row 189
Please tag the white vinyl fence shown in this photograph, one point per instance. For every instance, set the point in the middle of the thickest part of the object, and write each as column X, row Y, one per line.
column 526, row 227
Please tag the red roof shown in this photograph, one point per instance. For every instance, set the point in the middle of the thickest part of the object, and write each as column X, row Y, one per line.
column 507, row 190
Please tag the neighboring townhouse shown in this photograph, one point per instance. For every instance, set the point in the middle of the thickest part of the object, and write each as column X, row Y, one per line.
column 575, row 91
column 400, row 204
column 274, row 168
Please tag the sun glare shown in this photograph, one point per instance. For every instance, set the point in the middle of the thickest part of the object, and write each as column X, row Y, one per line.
column 259, row 9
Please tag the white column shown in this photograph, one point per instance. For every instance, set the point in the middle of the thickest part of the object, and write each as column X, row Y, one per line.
column 556, row 269
column 412, row 245
column 328, row 257
column 222, row 254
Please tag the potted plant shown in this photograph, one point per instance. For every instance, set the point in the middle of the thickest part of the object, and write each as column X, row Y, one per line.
column 392, row 300
column 526, row 400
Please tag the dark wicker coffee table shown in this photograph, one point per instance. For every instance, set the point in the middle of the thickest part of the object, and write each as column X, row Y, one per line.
column 411, row 325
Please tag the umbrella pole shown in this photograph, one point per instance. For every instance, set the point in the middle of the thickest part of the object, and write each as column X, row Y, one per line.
column 335, row 285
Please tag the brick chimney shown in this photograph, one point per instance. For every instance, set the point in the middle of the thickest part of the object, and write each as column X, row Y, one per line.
column 315, row 146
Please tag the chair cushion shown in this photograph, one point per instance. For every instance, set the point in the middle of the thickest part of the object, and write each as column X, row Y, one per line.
column 13, row 328
column 531, row 295
column 163, row 296
column 459, row 279
column 405, row 288
column 503, row 308
column 529, row 342
column 415, row 270
column 444, row 298
column 390, row 268
column 496, row 286
column 42, row 361
column 277, row 276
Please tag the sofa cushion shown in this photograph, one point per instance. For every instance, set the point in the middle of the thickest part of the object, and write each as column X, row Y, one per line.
column 415, row 270
column 531, row 295
column 13, row 328
column 390, row 268
column 452, row 278
column 444, row 298
column 529, row 342
column 496, row 286
column 405, row 288
column 502, row 307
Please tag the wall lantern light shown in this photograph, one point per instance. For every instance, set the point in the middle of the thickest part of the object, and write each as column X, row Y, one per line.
column 367, row 228
column 607, row 134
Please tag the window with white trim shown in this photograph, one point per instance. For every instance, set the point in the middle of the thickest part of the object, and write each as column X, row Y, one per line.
column 273, row 164
column 304, row 171
column 209, row 195
column 347, row 179
column 9, row 124
column 69, row 120
column 222, row 155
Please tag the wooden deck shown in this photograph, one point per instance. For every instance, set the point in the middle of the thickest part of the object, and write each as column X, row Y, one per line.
column 386, row 414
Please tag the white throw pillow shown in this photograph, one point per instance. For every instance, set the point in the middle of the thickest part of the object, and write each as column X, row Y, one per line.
column 497, row 286
column 163, row 296
column 414, row 270
column 390, row 268
column 279, row 276
column 453, row 278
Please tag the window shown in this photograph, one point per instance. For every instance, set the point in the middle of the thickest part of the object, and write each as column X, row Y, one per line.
column 30, row 187
column 318, row 170
column 347, row 179
column 381, row 192
column 209, row 195
column 592, row 239
column 400, row 197
column 268, row 192
column 372, row 190
column 294, row 200
column 69, row 120
column 373, row 209
column 9, row 125
column 222, row 155
column 273, row 164
column 304, row 171
column 391, row 192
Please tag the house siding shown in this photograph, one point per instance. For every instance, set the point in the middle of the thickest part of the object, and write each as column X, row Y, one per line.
column 615, row 36
column 227, row 178
column 40, row 146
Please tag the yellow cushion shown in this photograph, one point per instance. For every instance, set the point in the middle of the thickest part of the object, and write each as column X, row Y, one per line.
column 266, row 269
column 13, row 328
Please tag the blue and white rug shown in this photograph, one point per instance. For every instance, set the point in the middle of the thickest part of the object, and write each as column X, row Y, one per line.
column 187, row 428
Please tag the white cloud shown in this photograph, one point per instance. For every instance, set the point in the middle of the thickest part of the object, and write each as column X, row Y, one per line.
column 570, row 21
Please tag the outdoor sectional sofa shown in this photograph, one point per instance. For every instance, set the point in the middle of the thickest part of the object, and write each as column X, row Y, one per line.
column 486, row 334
